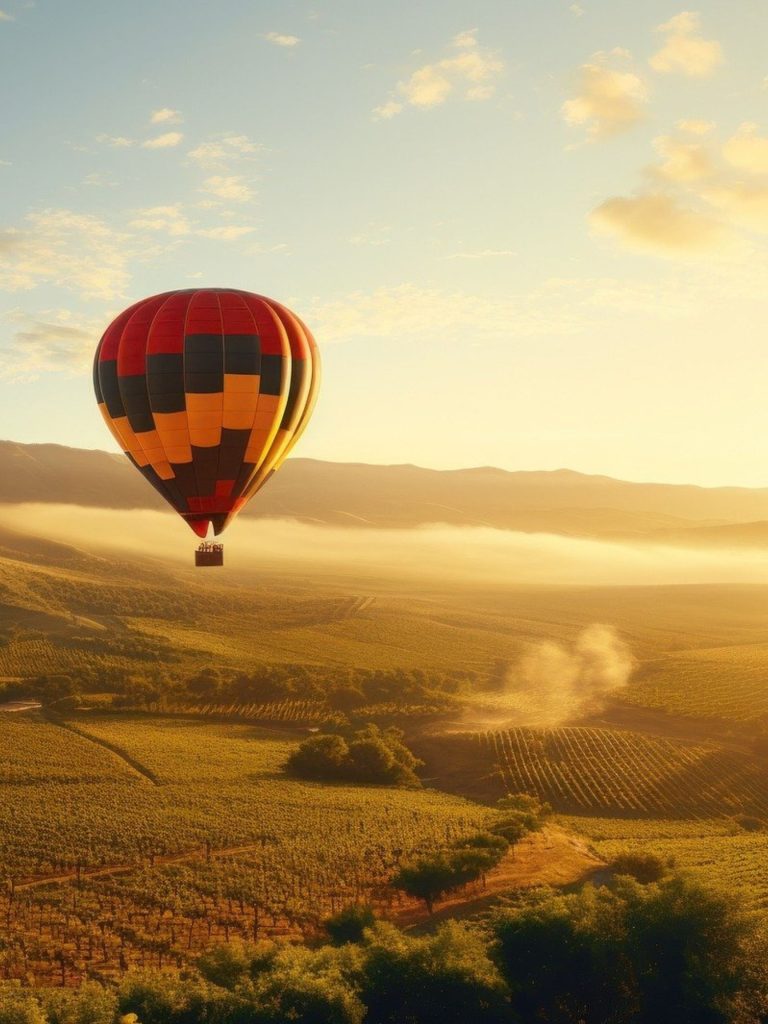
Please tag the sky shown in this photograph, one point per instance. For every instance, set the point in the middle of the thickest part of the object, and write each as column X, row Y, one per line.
column 525, row 233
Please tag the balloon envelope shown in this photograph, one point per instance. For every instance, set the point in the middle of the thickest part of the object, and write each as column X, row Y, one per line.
column 206, row 391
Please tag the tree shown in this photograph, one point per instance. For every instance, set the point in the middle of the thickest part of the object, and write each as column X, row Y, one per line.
column 668, row 952
column 643, row 867
column 447, row 978
column 350, row 924
column 19, row 1007
column 90, row 1004
column 305, row 986
column 561, row 957
column 427, row 879
column 319, row 757
column 695, row 953
column 158, row 997
column 370, row 755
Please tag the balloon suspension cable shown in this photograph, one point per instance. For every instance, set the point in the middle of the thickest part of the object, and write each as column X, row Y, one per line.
column 208, row 553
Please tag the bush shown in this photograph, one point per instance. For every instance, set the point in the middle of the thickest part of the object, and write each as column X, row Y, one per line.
column 350, row 924
column 371, row 755
column 430, row 878
column 447, row 978
column 320, row 757
column 643, row 867
column 663, row 953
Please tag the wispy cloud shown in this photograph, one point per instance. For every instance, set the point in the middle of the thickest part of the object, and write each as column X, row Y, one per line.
column 168, row 219
column 706, row 197
column 471, row 72
column 4, row 16
column 609, row 98
column 282, row 39
column 219, row 151
column 226, row 232
column 432, row 314
column 165, row 115
column 116, row 141
column 659, row 223
column 71, row 250
column 53, row 341
column 685, row 51
column 682, row 160
column 233, row 188
column 166, row 141
column 747, row 150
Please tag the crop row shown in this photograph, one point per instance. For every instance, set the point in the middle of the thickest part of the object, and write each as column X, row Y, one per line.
column 599, row 771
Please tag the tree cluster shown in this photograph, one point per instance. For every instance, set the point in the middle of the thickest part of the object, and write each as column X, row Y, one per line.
column 433, row 876
column 367, row 755
column 344, row 689
column 668, row 952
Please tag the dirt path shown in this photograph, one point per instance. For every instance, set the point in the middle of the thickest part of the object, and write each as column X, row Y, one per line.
column 136, row 766
column 126, row 869
column 550, row 857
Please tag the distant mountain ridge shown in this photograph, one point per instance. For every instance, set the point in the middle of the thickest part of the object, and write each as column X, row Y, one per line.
column 400, row 496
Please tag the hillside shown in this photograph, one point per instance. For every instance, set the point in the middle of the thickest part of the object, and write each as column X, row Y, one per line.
column 356, row 494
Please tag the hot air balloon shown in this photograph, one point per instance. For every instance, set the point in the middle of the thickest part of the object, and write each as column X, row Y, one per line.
column 207, row 391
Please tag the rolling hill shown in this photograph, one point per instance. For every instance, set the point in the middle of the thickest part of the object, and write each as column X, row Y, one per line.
column 356, row 494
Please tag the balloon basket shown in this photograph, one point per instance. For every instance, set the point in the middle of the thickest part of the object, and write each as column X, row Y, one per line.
column 209, row 554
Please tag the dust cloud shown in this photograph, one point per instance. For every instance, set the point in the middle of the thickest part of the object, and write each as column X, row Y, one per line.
column 553, row 683
column 480, row 555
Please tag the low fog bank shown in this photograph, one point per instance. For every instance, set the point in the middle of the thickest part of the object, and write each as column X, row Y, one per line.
column 471, row 554
column 554, row 683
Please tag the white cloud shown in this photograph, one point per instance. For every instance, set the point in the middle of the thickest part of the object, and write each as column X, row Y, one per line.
column 281, row 39
column 70, row 250
column 684, row 50
column 472, row 72
column 747, row 150
column 167, row 219
column 5, row 163
column 4, row 16
column 658, row 223
column 166, row 141
column 231, row 187
column 608, row 100
column 220, row 150
column 165, row 115
column 576, row 9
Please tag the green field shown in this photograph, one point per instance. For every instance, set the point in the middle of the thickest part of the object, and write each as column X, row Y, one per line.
column 162, row 833
column 714, row 851
column 221, row 842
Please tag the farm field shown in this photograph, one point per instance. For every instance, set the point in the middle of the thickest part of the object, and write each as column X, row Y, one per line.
column 600, row 772
column 179, row 834
column 698, row 650
column 713, row 850
column 175, row 828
